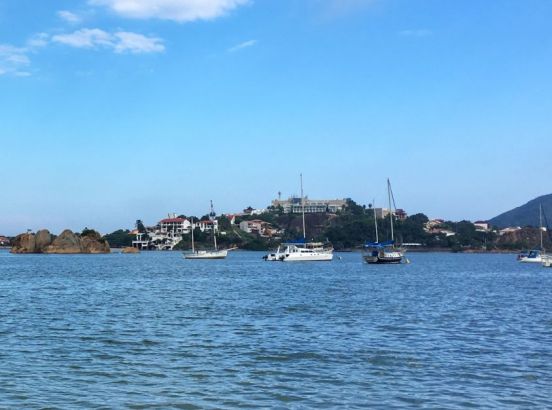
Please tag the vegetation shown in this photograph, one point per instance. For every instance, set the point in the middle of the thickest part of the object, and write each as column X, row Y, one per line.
column 119, row 239
column 350, row 229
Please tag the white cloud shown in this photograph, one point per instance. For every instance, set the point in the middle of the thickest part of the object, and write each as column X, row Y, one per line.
column 13, row 60
column 137, row 43
column 120, row 42
column 38, row 40
column 416, row 33
column 176, row 10
column 245, row 44
column 330, row 9
column 85, row 38
column 69, row 17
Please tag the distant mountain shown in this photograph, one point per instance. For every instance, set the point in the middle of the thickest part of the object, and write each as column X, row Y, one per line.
column 525, row 215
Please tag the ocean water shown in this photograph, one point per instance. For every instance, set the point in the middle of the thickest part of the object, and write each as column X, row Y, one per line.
column 157, row 331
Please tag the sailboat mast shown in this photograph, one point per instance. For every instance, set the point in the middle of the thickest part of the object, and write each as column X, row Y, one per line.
column 212, row 218
column 540, row 225
column 303, row 208
column 192, row 227
column 375, row 220
column 390, row 209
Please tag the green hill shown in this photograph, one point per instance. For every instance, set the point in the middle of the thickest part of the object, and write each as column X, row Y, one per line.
column 525, row 215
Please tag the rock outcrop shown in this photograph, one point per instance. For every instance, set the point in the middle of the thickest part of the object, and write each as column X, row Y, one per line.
column 93, row 243
column 66, row 243
column 24, row 243
column 130, row 249
column 43, row 238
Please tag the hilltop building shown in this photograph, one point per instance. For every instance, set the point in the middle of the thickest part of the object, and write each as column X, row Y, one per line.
column 482, row 226
column 382, row 213
column 251, row 211
column 509, row 230
column 293, row 205
column 434, row 227
column 262, row 228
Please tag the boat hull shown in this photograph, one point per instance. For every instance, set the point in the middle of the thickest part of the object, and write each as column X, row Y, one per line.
column 273, row 257
column 207, row 255
column 383, row 260
column 384, row 257
column 304, row 252
column 536, row 259
column 308, row 257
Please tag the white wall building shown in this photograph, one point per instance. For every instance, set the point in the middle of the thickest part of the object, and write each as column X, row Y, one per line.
column 169, row 232
column 293, row 205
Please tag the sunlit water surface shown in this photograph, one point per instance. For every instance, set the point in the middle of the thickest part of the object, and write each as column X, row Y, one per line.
column 157, row 331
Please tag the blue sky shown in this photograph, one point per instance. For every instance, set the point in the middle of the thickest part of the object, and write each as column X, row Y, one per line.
column 114, row 110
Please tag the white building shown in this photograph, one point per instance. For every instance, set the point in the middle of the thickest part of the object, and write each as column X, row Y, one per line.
column 482, row 226
column 508, row 230
column 293, row 205
column 174, row 225
column 259, row 227
column 169, row 232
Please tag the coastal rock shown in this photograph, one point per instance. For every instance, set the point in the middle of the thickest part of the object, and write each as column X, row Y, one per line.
column 130, row 249
column 92, row 242
column 24, row 243
column 43, row 238
column 67, row 242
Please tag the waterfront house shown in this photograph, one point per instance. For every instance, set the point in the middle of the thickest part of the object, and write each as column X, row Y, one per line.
column 169, row 232
column 175, row 224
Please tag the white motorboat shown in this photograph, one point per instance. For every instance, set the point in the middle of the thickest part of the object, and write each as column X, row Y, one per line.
column 535, row 255
column 384, row 252
column 306, row 252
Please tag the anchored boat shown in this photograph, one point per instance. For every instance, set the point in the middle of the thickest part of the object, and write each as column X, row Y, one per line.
column 536, row 255
column 301, row 250
column 384, row 252
column 215, row 253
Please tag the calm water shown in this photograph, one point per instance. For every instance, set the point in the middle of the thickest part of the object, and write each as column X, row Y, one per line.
column 157, row 331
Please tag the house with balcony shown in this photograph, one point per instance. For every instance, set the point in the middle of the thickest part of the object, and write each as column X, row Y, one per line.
column 169, row 232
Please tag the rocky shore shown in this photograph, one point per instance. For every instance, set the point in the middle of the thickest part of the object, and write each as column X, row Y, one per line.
column 68, row 242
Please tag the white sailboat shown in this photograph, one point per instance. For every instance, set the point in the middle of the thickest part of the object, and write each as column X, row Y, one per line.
column 301, row 250
column 206, row 254
column 535, row 255
column 384, row 252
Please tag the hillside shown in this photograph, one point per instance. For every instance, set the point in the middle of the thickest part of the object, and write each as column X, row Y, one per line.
column 525, row 215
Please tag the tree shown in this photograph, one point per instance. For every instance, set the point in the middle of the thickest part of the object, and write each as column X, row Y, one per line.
column 140, row 226
column 120, row 238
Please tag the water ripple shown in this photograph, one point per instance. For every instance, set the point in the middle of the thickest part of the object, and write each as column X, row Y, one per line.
column 156, row 331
